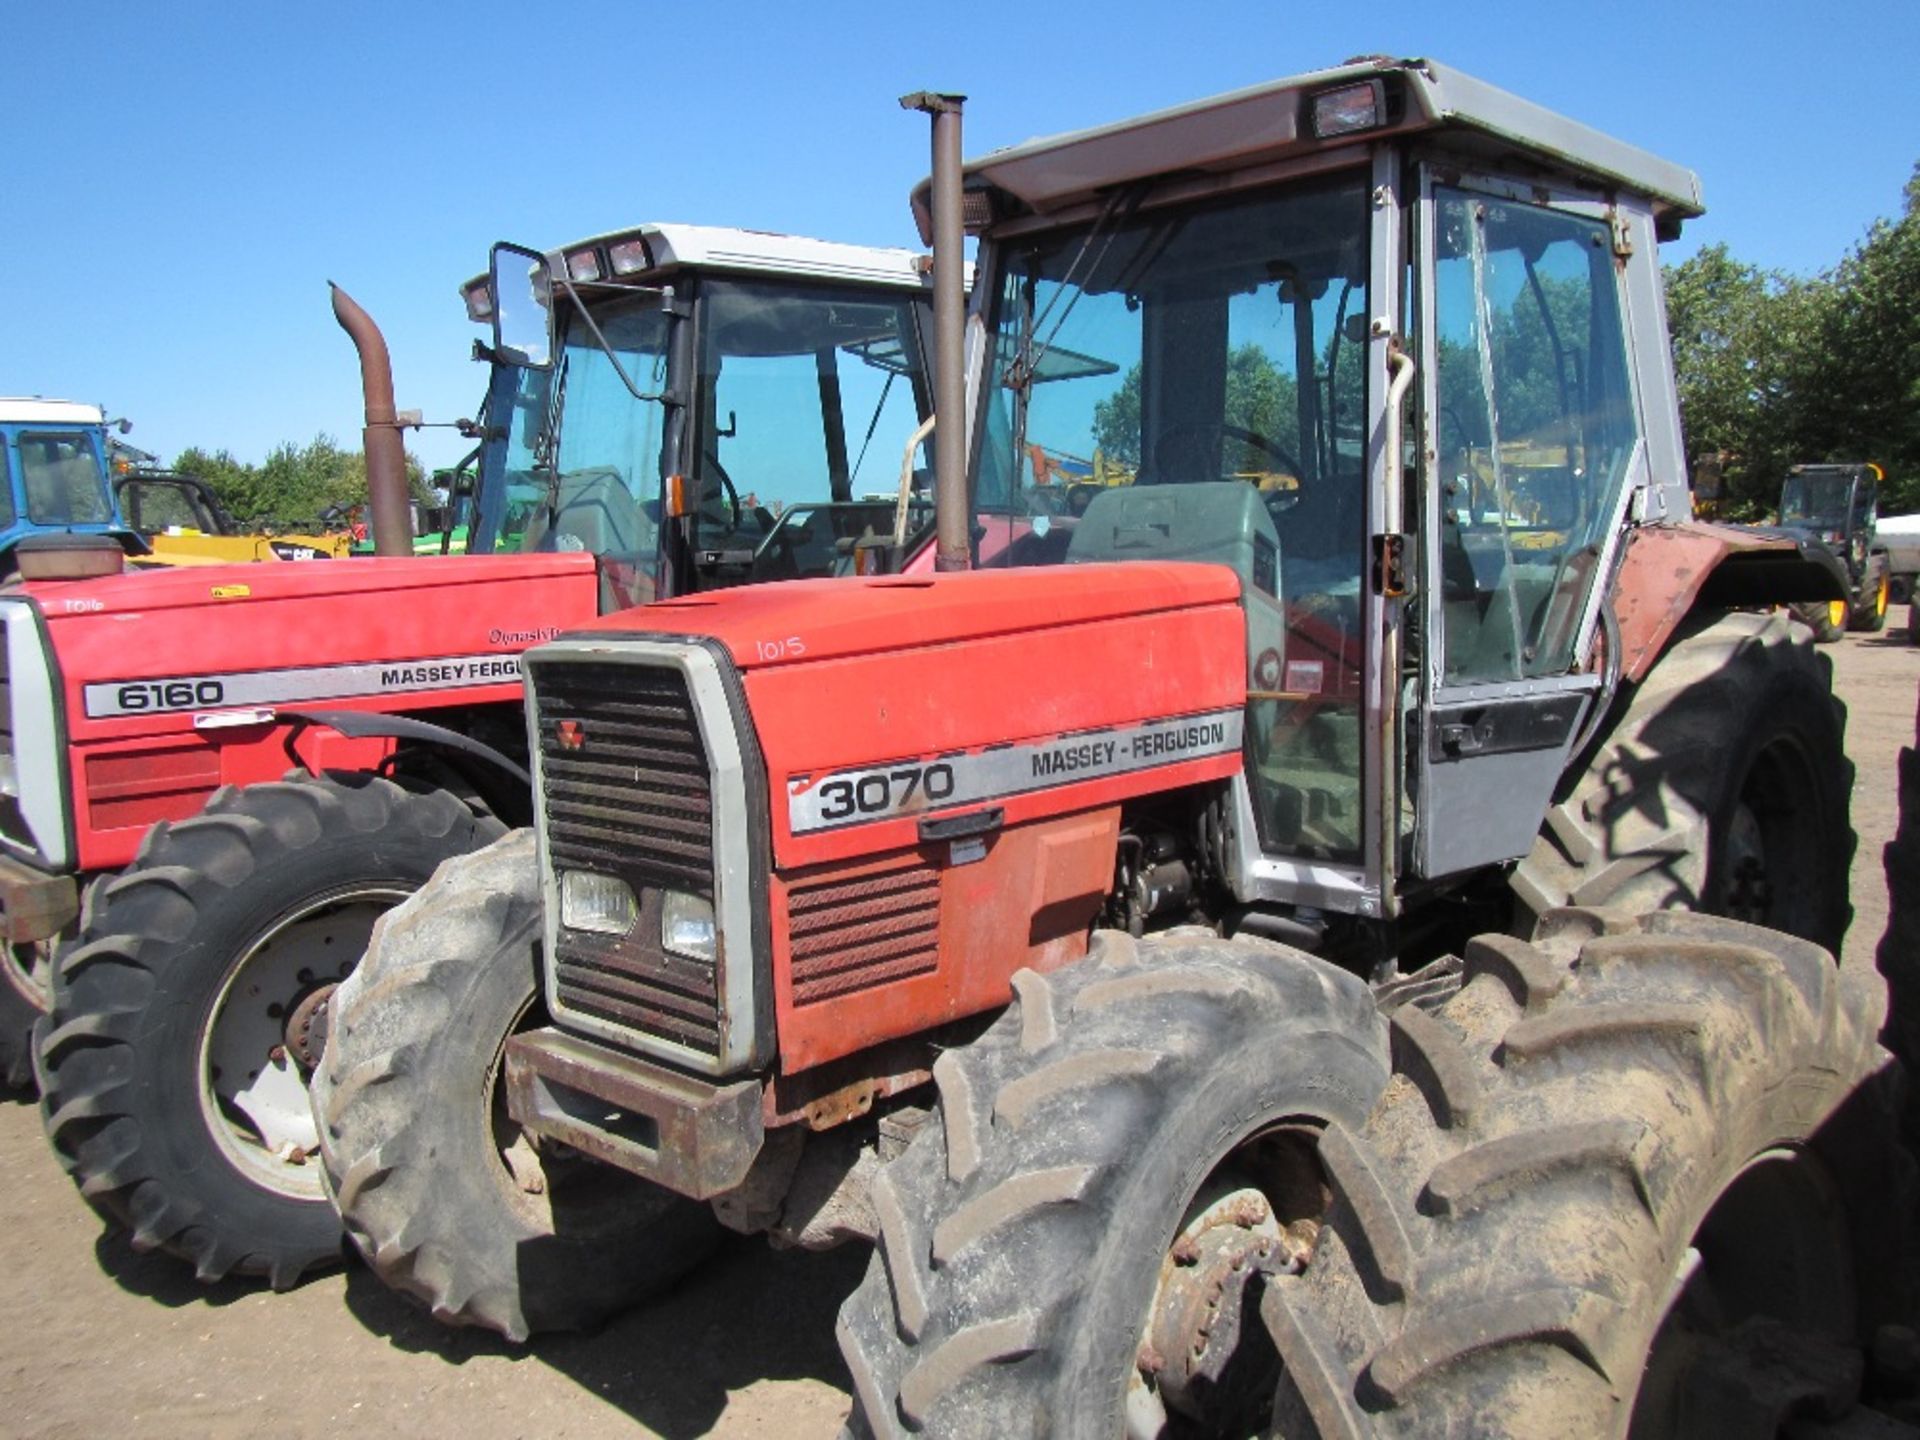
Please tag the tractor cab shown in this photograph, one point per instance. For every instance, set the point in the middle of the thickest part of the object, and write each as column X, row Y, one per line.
column 1412, row 322
column 697, row 407
column 53, row 475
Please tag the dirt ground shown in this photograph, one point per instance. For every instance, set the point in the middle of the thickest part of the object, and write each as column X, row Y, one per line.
column 101, row 1341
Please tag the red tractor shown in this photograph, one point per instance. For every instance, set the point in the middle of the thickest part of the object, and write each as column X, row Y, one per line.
column 217, row 779
column 1159, row 938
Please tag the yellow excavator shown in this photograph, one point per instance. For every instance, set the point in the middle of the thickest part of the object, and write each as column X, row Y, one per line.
column 185, row 524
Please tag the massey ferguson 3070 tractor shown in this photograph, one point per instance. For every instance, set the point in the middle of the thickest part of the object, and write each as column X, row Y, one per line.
column 1094, row 929
column 269, row 756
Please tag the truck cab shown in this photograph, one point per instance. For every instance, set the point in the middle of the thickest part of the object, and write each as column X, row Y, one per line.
column 53, row 475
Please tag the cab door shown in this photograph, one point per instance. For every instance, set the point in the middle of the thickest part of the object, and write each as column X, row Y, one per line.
column 1533, row 448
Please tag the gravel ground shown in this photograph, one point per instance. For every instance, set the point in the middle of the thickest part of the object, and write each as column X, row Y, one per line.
column 101, row 1341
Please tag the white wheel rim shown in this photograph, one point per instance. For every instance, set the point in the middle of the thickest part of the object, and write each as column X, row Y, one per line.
column 253, row 1100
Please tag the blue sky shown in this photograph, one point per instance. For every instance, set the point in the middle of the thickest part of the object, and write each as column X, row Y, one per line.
column 182, row 180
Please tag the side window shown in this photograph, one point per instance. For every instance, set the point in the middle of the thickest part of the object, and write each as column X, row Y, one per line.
column 64, row 482
column 808, row 396
column 1535, row 431
column 8, row 514
column 153, row 506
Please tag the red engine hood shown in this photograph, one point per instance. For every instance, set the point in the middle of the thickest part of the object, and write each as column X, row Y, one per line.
column 193, row 586
column 813, row 620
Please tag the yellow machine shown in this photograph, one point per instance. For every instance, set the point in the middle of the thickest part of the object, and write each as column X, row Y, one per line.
column 185, row 524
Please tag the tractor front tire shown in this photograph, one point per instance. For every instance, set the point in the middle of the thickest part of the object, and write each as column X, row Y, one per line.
column 1876, row 594
column 1827, row 619
column 1607, row 1189
column 1114, row 1159
column 174, row 1059
column 1723, row 786
column 449, row 1202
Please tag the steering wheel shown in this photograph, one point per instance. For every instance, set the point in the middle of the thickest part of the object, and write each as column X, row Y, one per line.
column 726, row 485
column 1199, row 437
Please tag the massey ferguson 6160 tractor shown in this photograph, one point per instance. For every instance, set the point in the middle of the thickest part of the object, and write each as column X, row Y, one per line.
column 1079, row 927
column 270, row 756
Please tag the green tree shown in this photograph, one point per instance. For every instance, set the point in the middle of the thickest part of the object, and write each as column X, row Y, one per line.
column 295, row 485
column 1261, row 398
column 1738, row 335
column 1859, row 360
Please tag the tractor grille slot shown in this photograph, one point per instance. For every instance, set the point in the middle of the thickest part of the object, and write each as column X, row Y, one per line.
column 640, row 987
column 630, row 796
column 854, row 934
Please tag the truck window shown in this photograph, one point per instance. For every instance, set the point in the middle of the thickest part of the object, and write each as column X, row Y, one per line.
column 1148, row 364
column 807, row 398
column 1536, row 429
column 64, row 481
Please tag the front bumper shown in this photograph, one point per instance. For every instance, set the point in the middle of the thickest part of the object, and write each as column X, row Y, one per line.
column 33, row 904
column 692, row 1136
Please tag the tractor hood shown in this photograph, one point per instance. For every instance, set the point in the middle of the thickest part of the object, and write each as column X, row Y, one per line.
column 813, row 620
column 192, row 587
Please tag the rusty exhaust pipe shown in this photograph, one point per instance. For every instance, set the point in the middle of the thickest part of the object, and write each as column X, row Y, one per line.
column 953, row 542
column 387, row 492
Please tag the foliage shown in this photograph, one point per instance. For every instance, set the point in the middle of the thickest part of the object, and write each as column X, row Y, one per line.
column 1775, row 371
column 295, row 486
column 1261, row 399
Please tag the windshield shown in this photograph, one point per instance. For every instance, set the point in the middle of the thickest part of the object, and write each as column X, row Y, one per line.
column 1190, row 384
column 806, row 398
column 1819, row 501
column 584, row 460
column 65, row 484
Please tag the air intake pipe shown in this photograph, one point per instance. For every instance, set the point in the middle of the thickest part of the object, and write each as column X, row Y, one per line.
column 388, row 500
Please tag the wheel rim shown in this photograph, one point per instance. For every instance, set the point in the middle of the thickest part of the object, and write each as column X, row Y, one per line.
column 1767, row 1273
column 1880, row 597
column 254, row 1055
column 1837, row 614
column 1772, row 870
column 28, row 969
column 1205, row 1363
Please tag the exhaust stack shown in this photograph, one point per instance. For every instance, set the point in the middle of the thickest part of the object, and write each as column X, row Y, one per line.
column 387, row 494
column 952, row 539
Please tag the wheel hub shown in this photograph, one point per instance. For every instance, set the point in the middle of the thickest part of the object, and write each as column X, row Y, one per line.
column 1205, row 1356
column 307, row 1026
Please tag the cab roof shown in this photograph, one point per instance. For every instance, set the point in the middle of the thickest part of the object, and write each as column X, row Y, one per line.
column 1270, row 122
column 32, row 410
column 712, row 247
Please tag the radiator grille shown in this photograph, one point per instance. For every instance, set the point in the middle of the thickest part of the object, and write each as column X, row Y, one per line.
column 633, row 798
column 851, row 934
column 13, row 823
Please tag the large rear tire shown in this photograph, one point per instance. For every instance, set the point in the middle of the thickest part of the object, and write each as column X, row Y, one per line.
column 450, row 1203
column 1112, row 1162
column 1724, row 786
column 1604, row 1189
column 174, row 1061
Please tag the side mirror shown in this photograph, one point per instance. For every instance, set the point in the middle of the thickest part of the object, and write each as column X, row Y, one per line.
column 522, row 307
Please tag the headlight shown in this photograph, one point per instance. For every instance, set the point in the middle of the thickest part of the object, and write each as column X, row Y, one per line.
column 629, row 257
column 1350, row 109
column 603, row 904
column 686, row 926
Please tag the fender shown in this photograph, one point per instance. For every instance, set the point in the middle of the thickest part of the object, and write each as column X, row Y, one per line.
column 1671, row 570
column 362, row 724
